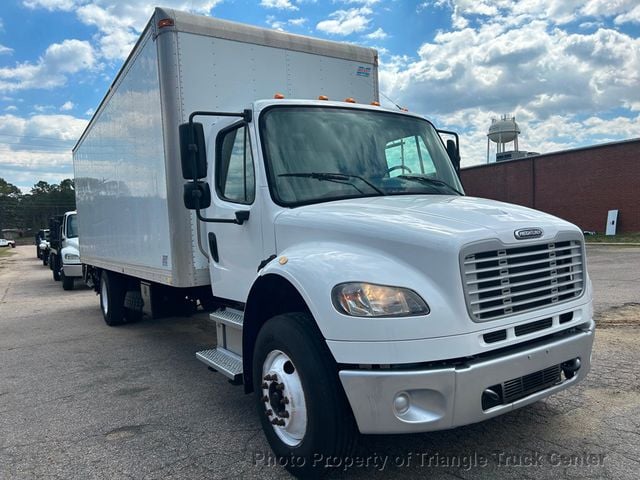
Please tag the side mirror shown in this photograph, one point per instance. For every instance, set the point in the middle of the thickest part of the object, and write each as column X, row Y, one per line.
column 454, row 154
column 193, row 151
column 196, row 195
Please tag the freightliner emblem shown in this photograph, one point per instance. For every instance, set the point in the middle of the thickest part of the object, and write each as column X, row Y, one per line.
column 528, row 233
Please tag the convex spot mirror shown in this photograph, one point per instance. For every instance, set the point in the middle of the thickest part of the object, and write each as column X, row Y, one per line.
column 193, row 151
column 196, row 195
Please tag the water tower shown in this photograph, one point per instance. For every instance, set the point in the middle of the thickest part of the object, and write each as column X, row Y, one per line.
column 503, row 131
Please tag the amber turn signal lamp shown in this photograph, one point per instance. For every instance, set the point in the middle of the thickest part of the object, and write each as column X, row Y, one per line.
column 165, row 22
column 349, row 100
column 323, row 97
column 278, row 96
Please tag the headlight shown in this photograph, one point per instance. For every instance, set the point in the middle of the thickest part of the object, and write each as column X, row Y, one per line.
column 71, row 256
column 369, row 300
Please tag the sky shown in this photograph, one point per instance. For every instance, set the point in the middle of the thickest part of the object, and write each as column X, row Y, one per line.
column 569, row 70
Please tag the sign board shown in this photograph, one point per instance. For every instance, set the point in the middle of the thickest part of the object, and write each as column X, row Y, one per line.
column 612, row 222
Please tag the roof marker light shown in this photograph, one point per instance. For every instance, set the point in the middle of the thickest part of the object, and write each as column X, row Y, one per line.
column 375, row 104
column 278, row 96
column 350, row 100
column 323, row 97
column 165, row 22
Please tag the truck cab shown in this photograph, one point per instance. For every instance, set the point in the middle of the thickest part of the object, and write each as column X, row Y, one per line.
column 64, row 256
column 343, row 230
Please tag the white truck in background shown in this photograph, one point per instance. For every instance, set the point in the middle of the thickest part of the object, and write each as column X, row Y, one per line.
column 63, row 251
column 355, row 286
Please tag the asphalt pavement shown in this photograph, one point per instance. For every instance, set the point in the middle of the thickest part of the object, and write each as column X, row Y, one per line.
column 81, row 400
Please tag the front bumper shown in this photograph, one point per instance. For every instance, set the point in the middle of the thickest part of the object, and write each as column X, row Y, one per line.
column 442, row 398
column 72, row 269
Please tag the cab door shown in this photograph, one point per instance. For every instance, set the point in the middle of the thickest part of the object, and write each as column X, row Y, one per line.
column 235, row 250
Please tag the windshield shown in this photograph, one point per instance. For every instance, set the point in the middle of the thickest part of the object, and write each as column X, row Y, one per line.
column 318, row 154
column 72, row 226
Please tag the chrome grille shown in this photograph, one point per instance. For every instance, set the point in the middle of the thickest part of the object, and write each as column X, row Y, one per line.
column 504, row 281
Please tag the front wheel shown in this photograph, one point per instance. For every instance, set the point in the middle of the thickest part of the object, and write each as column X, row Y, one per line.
column 303, row 409
column 67, row 282
column 55, row 267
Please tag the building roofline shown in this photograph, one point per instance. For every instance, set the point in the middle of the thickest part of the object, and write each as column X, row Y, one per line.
column 557, row 152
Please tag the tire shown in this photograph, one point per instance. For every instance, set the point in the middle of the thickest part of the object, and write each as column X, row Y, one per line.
column 112, row 298
column 38, row 256
column 316, row 419
column 55, row 268
column 67, row 282
column 45, row 259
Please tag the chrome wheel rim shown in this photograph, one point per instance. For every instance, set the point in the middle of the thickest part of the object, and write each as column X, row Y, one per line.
column 104, row 291
column 283, row 398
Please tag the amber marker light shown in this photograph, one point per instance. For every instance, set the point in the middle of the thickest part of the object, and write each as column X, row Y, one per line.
column 323, row 97
column 278, row 96
column 375, row 104
column 165, row 22
column 350, row 100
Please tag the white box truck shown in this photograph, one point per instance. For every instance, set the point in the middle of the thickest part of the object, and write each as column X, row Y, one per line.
column 355, row 287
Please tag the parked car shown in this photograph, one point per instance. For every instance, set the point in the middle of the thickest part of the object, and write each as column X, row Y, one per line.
column 7, row 243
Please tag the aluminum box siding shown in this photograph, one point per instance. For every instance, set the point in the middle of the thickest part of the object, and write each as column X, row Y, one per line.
column 122, row 181
column 221, row 74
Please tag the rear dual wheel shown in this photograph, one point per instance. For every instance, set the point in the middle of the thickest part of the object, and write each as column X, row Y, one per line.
column 113, row 290
column 112, row 298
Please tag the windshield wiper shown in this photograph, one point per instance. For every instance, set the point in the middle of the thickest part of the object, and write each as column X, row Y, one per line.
column 334, row 177
column 430, row 181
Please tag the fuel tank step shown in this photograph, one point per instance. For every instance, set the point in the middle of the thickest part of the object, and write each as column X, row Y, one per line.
column 227, row 363
column 229, row 316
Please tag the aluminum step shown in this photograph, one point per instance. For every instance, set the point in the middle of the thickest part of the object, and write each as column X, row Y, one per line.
column 229, row 316
column 224, row 361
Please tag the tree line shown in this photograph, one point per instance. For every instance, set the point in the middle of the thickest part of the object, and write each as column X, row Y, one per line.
column 29, row 212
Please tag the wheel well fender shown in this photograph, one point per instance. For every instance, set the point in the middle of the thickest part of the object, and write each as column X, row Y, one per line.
column 270, row 295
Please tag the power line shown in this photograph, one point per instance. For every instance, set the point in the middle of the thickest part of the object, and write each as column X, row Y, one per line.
column 37, row 137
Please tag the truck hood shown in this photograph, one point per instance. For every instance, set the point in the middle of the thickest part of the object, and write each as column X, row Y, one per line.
column 417, row 218
column 413, row 242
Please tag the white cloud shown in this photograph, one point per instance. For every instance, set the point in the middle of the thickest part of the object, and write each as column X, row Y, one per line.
column 66, row 5
column 39, row 147
column 5, row 50
column 90, row 112
column 11, row 108
column 278, row 4
column 52, row 69
column 119, row 22
column 298, row 22
column 559, row 12
column 346, row 22
column 550, row 78
column 66, row 106
column 632, row 16
column 379, row 34
column 276, row 24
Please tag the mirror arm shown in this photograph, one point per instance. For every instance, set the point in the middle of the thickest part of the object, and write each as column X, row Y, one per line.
column 241, row 217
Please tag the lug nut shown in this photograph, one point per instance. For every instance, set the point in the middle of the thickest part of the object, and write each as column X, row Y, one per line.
column 269, row 412
column 280, row 386
column 285, row 401
column 283, row 414
column 265, row 399
column 264, row 385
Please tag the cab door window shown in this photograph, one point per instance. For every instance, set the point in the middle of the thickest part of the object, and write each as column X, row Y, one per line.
column 235, row 178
